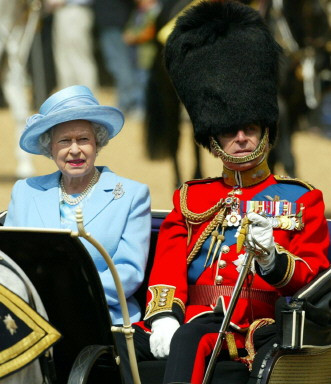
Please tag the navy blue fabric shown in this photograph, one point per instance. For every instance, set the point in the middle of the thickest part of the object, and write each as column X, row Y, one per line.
column 197, row 265
column 9, row 339
column 289, row 192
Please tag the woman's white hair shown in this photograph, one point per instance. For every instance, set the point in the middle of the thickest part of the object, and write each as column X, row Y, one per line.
column 100, row 133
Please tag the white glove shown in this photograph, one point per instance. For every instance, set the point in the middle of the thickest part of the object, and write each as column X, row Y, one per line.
column 162, row 331
column 261, row 231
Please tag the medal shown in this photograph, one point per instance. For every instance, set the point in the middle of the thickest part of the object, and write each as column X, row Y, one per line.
column 233, row 219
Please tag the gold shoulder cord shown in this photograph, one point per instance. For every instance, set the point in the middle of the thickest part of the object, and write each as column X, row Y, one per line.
column 218, row 219
column 196, row 217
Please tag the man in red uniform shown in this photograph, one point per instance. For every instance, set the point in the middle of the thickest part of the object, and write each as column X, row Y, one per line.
column 223, row 63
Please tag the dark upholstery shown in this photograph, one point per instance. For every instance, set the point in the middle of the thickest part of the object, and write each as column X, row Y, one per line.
column 69, row 286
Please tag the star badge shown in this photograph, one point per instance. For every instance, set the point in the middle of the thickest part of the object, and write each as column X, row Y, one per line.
column 10, row 324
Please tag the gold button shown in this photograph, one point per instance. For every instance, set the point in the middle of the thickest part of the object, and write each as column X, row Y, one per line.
column 222, row 264
column 225, row 249
column 219, row 279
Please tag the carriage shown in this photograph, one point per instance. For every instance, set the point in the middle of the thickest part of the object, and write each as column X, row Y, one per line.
column 66, row 279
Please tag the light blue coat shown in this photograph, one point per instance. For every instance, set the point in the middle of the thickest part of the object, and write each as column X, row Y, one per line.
column 122, row 225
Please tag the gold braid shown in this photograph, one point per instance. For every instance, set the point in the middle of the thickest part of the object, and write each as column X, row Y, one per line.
column 196, row 217
column 260, row 149
column 218, row 219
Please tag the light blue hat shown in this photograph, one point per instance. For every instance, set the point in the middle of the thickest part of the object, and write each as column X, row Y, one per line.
column 73, row 103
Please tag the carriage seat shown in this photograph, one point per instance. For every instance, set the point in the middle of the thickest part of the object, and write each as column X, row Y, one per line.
column 306, row 332
column 67, row 281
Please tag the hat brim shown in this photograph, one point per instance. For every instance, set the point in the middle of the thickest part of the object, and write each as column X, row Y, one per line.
column 111, row 118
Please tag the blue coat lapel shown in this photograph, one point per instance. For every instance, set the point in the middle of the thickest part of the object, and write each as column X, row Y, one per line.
column 47, row 202
column 102, row 194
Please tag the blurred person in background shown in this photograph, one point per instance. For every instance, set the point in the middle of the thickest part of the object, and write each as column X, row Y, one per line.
column 111, row 17
column 74, row 59
column 140, row 33
column 18, row 24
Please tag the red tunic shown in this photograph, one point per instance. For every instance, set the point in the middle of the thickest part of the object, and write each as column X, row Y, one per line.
column 303, row 256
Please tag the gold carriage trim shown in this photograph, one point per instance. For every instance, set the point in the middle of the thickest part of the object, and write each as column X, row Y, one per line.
column 290, row 266
column 161, row 301
column 218, row 220
column 294, row 180
column 192, row 216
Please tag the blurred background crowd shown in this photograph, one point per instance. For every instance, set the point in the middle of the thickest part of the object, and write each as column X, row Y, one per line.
column 115, row 48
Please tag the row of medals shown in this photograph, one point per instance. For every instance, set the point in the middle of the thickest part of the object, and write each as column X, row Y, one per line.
column 234, row 219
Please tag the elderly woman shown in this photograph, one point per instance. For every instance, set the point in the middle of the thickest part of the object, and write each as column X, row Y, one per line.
column 70, row 129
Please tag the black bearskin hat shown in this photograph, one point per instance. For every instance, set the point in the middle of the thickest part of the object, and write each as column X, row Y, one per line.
column 223, row 63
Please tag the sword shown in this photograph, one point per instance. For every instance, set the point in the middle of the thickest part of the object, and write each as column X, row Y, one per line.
column 226, row 321
column 233, row 301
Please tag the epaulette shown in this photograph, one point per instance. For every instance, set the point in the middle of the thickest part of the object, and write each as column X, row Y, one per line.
column 201, row 181
column 294, row 180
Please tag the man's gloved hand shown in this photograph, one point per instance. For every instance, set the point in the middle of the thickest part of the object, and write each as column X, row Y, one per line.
column 261, row 231
column 162, row 331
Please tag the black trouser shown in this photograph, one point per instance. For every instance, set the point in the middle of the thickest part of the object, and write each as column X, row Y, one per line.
column 184, row 347
column 184, row 344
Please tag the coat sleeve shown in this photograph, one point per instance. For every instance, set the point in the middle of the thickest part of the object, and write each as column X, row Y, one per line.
column 167, row 291
column 131, row 254
column 14, row 209
column 302, row 255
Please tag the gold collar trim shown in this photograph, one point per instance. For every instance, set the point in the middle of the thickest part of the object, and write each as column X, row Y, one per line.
column 246, row 178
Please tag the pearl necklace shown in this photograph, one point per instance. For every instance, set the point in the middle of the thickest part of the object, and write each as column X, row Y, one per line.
column 75, row 200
